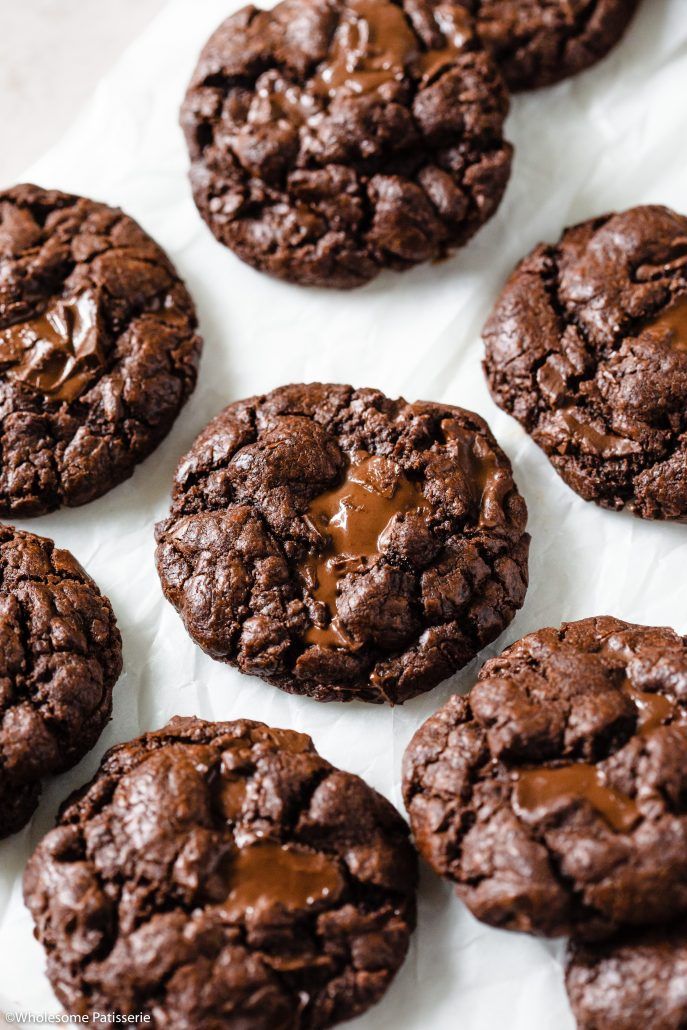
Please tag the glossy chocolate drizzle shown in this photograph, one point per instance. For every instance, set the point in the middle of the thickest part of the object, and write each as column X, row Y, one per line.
column 353, row 520
column 268, row 874
column 58, row 353
column 375, row 44
column 537, row 789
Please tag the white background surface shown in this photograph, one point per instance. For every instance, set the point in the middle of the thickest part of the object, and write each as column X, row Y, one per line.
column 52, row 54
column 614, row 136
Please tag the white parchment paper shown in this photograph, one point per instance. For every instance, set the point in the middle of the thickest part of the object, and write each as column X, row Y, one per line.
column 613, row 137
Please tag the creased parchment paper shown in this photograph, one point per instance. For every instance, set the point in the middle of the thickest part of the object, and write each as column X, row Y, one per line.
column 613, row 137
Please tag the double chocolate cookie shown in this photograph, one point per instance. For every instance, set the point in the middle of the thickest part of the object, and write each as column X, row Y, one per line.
column 587, row 348
column 539, row 42
column 554, row 795
column 332, row 138
column 98, row 348
column 344, row 545
column 638, row 980
column 60, row 656
column 224, row 875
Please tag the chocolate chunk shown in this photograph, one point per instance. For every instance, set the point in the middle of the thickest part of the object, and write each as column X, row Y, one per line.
column 292, row 905
column 355, row 521
column 59, row 353
column 331, row 140
column 61, row 655
column 587, row 348
column 98, row 348
column 538, row 791
column 669, row 327
column 344, row 545
column 268, row 875
column 553, row 796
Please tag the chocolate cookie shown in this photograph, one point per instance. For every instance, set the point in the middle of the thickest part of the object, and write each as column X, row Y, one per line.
column 332, row 138
column 60, row 656
column 638, row 980
column 587, row 347
column 224, row 875
column 554, row 795
column 539, row 42
column 344, row 545
column 98, row 348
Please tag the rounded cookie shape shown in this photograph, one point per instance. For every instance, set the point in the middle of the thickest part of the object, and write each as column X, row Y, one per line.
column 539, row 42
column 554, row 794
column 344, row 545
column 587, row 348
column 61, row 654
column 223, row 874
column 637, row 980
column 330, row 139
column 98, row 348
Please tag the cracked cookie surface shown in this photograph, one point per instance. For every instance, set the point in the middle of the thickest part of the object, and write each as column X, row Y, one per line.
column 344, row 545
column 638, row 980
column 224, row 874
column 553, row 795
column 61, row 655
column 587, row 348
column 332, row 138
column 98, row 348
column 539, row 42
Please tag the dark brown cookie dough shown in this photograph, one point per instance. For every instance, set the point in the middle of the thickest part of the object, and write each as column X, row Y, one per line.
column 587, row 348
column 554, row 795
column 60, row 656
column 224, row 875
column 332, row 138
column 344, row 545
column 539, row 42
column 98, row 348
column 635, row 982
